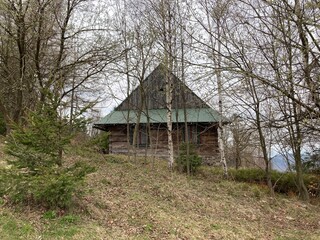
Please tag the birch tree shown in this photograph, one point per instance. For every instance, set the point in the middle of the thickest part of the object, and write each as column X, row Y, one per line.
column 167, row 13
column 216, row 15
column 163, row 23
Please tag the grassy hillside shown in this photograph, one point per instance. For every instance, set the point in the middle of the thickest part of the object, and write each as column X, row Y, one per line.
column 126, row 199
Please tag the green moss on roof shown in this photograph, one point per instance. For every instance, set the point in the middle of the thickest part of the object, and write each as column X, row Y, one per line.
column 194, row 115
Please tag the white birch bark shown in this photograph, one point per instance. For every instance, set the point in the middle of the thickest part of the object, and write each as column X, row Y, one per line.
column 217, row 64
column 167, row 37
column 220, row 128
column 169, row 90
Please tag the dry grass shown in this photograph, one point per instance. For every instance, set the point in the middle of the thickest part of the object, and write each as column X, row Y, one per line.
column 2, row 155
column 127, row 199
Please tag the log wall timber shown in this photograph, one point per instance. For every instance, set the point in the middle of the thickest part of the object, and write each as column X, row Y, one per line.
column 206, row 141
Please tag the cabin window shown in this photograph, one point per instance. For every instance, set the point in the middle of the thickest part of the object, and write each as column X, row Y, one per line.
column 193, row 134
column 142, row 136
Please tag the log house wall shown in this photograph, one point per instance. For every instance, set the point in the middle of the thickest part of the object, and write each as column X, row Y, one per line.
column 207, row 148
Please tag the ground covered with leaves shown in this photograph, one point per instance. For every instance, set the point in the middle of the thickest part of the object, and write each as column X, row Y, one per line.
column 134, row 199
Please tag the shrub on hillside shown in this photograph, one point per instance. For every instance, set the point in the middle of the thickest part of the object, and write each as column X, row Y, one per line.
column 248, row 175
column 101, row 142
column 39, row 142
column 53, row 189
column 311, row 163
column 284, row 182
column 37, row 175
column 194, row 160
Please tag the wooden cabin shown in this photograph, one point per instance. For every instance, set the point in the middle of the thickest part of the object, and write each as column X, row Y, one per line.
column 146, row 106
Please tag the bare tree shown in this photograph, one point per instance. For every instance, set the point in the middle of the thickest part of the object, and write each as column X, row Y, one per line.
column 43, row 35
column 163, row 23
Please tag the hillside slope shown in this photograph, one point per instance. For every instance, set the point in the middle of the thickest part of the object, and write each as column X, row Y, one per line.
column 127, row 199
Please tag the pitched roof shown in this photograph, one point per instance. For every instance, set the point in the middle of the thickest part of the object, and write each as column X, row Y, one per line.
column 194, row 115
column 154, row 94
column 153, row 87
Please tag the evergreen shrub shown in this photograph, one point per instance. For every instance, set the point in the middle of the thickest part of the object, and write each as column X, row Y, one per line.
column 101, row 142
column 54, row 189
column 193, row 159
column 36, row 174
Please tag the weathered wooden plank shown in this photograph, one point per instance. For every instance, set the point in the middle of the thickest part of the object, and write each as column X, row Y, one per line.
column 154, row 89
column 208, row 146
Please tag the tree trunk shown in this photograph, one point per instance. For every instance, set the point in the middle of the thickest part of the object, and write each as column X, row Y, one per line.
column 186, row 132
column 220, row 129
column 167, row 21
column 262, row 139
column 169, row 117
column 303, row 191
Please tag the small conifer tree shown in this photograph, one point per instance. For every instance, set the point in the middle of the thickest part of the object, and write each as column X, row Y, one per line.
column 183, row 159
column 37, row 175
column 38, row 144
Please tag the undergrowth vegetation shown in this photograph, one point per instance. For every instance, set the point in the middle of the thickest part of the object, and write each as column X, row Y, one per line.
column 282, row 182
column 52, row 189
column 36, row 174
column 136, row 199
column 188, row 160
column 3, row 128
column 100, row 142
